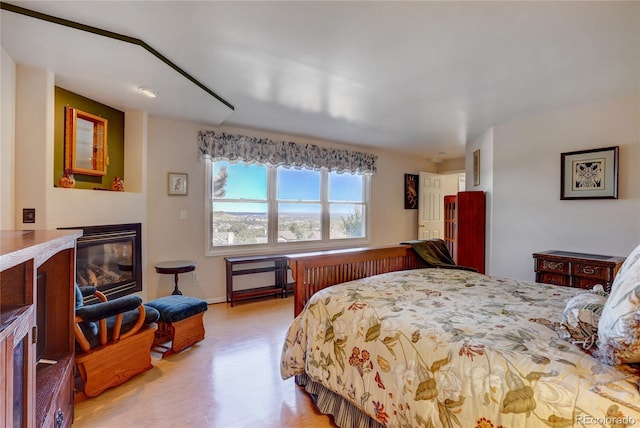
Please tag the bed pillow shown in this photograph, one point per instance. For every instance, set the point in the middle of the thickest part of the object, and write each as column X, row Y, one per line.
column 628, row 263
column 619, row 327
column 581, row 316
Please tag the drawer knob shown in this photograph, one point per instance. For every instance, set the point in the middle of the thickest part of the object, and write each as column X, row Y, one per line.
column 553, row 265
column 588, row 270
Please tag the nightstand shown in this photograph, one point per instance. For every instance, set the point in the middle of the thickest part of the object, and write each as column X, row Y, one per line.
column 576, row 269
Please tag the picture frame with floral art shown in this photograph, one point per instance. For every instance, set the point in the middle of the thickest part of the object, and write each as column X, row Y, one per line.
column 476, row 167
column 177, row 184
column 411, row 191
column 589, row 174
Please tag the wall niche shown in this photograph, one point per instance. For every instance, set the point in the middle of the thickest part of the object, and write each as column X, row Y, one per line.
column 114, row 143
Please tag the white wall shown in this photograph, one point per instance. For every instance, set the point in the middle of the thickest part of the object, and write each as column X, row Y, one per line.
column 484, row 143
column 528, row 215
column 33, row 142
column 34, row 188
column 153, row 148
column 390, row 222
column 451, row 184
column 520, row 171
column 173, row 148
column 7, row 140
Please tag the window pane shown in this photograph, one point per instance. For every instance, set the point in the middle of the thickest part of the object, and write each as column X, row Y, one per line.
column 239, row 223
column 345, row 187
column 299, row 222
column 314, row 207
column 298, row 184
column 239, row 181
column 347, row 221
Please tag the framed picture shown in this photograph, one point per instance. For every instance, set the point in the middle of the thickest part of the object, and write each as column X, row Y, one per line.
column 589, row 174
column 411, row 191
column 476, row 167
column 177, row 184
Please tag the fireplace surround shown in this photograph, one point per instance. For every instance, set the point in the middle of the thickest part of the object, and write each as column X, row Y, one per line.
column 109, row 257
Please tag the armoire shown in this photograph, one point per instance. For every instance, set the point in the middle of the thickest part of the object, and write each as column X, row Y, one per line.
column 464, row 228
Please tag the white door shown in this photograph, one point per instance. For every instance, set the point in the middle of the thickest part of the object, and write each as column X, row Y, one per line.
column 430, row 209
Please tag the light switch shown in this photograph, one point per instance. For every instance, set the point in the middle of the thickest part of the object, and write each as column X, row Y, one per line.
column 28, row 215
column 183, row 214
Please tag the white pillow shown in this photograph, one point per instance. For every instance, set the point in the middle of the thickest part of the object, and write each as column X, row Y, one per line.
column 631, row 260
column 619, row 327
column 581, row 316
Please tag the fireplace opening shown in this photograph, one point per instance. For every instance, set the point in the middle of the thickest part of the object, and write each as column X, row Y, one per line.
column 109, row 258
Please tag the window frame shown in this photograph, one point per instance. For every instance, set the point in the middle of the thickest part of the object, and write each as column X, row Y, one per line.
column 273, row 246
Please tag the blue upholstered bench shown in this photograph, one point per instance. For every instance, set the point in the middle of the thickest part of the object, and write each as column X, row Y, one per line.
column 180, row 322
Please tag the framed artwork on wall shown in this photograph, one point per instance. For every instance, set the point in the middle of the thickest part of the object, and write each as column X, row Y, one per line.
column 589, row 174
column 476, row 167
column 411, row 191
column 177, row 184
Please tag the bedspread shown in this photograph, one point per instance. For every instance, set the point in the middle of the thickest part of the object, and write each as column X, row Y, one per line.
column 442, row 347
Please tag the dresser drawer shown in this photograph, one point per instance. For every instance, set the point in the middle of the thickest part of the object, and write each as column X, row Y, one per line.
column 552, row 266
column 588, row 270
column 553, row 278
column 588, row 283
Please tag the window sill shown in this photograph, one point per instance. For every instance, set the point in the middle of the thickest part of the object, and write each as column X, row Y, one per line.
column 252, row 250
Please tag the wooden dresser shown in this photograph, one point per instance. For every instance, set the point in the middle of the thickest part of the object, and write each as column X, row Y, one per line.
column 576, row 269
column 37, row 303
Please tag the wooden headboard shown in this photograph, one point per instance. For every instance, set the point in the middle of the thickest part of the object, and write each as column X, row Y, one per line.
column 314, row 271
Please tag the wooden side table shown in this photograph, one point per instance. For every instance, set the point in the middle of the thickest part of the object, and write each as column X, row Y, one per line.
column 576, row 269
column 175, row 267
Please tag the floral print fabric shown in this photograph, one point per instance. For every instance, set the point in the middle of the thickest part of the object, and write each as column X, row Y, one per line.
column 443, row 347
column 240, row 148
column 581, row 317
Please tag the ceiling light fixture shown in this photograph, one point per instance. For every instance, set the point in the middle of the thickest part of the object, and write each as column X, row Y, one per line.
column 148, row 91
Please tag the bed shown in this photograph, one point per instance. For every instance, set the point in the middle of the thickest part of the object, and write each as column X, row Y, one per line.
column 381, row 340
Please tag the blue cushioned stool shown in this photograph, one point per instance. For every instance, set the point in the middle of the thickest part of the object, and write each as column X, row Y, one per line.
column 180, row 322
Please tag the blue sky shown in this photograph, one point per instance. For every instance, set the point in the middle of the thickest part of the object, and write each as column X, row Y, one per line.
column 250, row 182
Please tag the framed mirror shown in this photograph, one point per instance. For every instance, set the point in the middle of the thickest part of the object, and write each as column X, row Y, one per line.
column 85, row 143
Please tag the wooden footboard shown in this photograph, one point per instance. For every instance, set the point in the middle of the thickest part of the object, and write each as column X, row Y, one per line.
column 314, row 271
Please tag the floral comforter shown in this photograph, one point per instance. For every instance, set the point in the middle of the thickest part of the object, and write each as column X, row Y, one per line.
column 452, row 348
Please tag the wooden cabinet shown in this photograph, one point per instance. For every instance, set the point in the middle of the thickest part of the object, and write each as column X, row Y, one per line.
column 576, row 269
column 254, row 265
column 450, row 222
column 36, row 320
column 464, row 228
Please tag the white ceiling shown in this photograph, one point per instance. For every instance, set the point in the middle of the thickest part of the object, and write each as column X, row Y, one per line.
column 419, row 77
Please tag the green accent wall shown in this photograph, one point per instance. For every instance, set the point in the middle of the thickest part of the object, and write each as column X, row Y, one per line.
column 115, row 139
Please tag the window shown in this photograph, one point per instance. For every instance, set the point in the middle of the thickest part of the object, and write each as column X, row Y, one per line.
column 277, row 207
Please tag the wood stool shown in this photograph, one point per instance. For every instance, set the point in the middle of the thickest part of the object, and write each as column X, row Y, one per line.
column 181, row 322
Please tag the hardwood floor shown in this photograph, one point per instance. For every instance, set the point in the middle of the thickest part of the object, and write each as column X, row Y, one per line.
column 230, row 379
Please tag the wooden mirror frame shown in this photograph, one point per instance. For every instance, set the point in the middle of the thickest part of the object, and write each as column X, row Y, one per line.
column 94, row 140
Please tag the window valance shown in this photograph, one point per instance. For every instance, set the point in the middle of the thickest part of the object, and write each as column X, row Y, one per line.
column 240, row 148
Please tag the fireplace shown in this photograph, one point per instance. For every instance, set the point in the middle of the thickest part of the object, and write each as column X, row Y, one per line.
column 110, row 258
